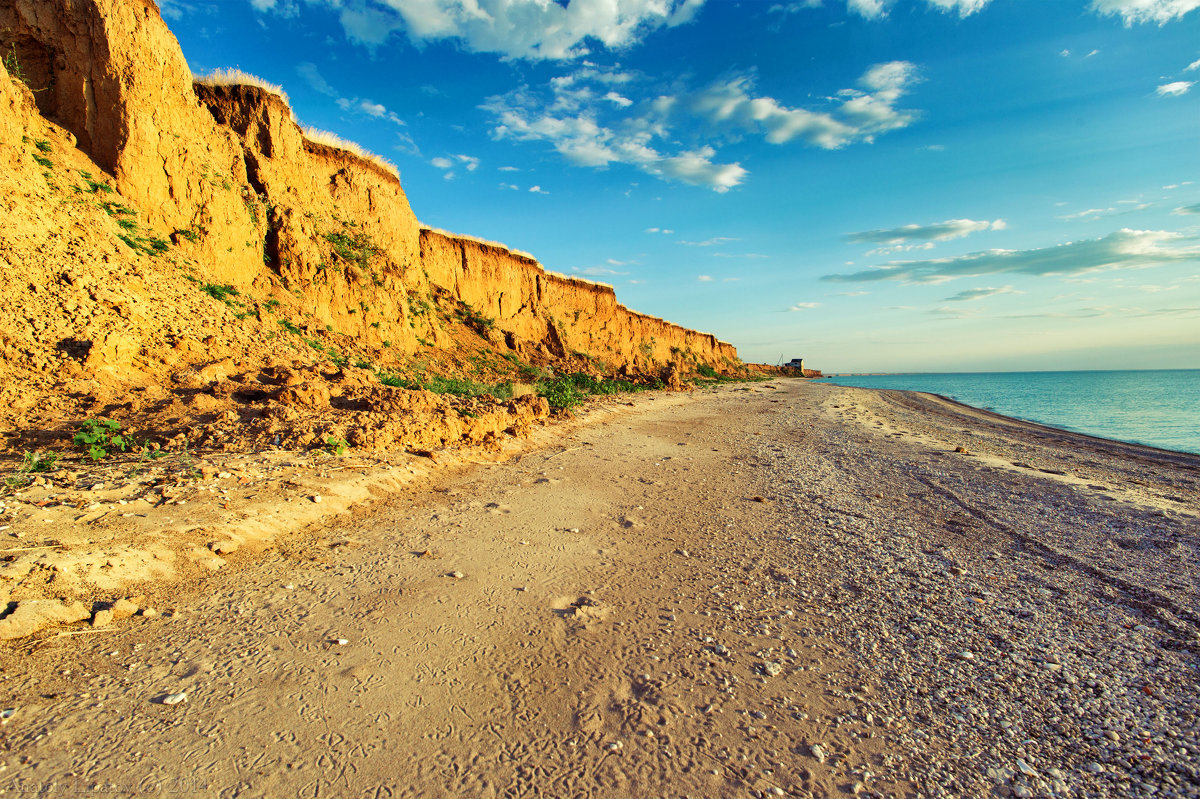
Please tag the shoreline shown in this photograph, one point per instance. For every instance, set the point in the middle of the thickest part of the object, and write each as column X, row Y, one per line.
column 1047, row 425
column 782, row 585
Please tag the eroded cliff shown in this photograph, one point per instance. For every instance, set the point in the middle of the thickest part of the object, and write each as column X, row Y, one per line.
column 157, row 225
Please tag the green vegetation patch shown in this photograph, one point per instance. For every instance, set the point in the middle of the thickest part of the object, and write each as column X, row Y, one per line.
column 99, row 438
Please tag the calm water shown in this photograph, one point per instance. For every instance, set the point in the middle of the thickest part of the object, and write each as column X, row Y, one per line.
column 1156, row 407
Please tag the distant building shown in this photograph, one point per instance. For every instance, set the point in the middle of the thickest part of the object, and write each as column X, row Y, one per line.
column 795, row 363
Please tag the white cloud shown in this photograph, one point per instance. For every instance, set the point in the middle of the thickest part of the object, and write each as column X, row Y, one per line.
column 373, row 109
column 921, row 237
column 509, row 169
column 468, row 162
column 576, row 114
column 965, row 8
column 856, row 116
column 613, row 97
column 1174, row 89
column 538, row 190
column 804, row 306
column 878, row 9
column 704, row 278
column 664, row 231
column 1192, row 66
column 1135, row 11
column 1187, row 209
column 870, row 9
column 510, row 186
column 970, row 295
column 1124, row 249
column 532, row 29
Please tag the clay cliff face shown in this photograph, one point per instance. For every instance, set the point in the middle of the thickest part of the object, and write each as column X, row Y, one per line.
column 218, row 184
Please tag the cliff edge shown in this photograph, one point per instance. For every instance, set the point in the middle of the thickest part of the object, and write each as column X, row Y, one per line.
column 184, row 250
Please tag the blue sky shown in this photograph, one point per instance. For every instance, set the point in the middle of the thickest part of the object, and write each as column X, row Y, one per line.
column 874, row 185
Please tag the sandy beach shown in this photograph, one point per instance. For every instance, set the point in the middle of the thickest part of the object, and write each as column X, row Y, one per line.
column 780, row 588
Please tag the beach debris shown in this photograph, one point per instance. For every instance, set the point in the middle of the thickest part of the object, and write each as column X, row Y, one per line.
column 962, row 450
column 174, row 699
column 339, row 641
column 456, row 575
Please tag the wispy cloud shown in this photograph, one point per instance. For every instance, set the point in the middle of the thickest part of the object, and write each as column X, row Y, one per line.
column 970, row 295
column 714, row 241
column 803, row 306
column 910, row 237
column 858, row 114
column 877, row 9
column 537, row 190
column 664, row 231
column 597, row 271
column 467, row 162
column 312, row 76
column 1124, row 249
column 1138, row 11
column 1187, row 209
column 576, row 115
column 1175, row 88
column 704, row 278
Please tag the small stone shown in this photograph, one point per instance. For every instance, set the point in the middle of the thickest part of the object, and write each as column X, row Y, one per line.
column 957, row 571
column 615, row 746
column 175, row 699
column 818, row 752
column 149, row 613
column 123, row 609
column 224, row 475
column 1025, row 768
column 316, row 499
column 341, row 641
column 1112, row 736
column 771, row 669
column 223, row 547
column 962, row 450
column 456, row 575
column 720, row 649
column 102, row 618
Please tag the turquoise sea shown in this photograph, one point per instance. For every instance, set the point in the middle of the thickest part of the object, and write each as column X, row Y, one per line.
column 1156, row 407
